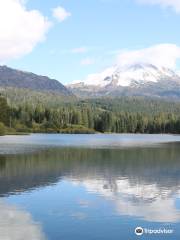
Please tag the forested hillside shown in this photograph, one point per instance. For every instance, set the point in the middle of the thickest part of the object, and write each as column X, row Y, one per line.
column 16, row 83
column 19, row 96
column 123, row 115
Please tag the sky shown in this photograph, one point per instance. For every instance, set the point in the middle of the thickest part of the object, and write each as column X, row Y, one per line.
column 69, row 40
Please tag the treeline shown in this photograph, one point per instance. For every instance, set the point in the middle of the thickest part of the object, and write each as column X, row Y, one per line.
column 91, row 116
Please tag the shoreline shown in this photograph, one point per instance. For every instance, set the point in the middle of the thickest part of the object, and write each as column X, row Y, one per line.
column 95, row 133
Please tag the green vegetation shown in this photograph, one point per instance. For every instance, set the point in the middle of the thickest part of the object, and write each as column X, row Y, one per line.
column 77, row 129
column 20, row 96
column 121, row 115
column 2, row 129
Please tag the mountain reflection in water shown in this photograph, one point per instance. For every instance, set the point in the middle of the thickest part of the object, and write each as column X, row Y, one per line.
column 140, row 182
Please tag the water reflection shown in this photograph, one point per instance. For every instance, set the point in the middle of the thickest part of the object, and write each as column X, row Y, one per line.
column 17, row 224
column 140, row 182
column 147, row 202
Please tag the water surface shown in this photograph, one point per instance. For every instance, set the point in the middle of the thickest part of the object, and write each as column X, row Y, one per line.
column 89, row 186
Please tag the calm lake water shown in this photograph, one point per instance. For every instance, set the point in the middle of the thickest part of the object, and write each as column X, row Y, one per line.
column 89, row 187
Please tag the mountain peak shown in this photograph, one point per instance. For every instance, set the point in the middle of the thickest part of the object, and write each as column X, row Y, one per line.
column 130, row 80
column 128, row 75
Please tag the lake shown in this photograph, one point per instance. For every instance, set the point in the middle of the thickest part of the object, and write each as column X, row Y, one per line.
column 93, row 187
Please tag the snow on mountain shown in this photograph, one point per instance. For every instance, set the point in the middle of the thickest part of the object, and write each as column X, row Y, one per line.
column 141, row 74
column 127, row 76
column 98, row 79
column 131, row 80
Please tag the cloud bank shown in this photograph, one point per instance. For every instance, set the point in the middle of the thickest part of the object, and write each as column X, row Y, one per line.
column 165, row 55
column 20, row 29
column 162, row 55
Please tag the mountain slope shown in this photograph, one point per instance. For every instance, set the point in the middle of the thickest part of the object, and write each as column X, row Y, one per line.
column 11, row 78
column 134, row 80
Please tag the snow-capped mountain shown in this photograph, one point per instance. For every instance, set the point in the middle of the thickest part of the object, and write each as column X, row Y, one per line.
column 137, row 79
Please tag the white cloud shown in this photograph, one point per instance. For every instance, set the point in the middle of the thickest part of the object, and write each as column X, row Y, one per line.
column 80, row 50
column 61, row 14
column 174, row 4
column 87, row 61
column 20, row 30
column 165, row 55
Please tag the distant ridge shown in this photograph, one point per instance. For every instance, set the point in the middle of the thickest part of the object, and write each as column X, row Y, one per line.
column 12, row 78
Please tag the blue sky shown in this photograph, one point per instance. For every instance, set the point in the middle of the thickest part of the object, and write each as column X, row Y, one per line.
column 94, row 33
